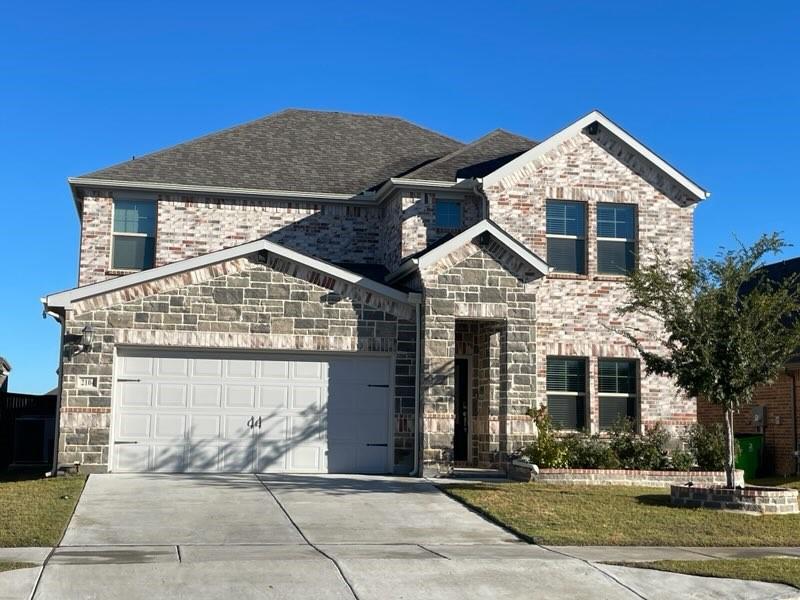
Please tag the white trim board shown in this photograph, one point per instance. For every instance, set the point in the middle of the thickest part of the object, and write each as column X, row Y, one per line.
column 453, row 244
column 65, row 298
column 578, row 126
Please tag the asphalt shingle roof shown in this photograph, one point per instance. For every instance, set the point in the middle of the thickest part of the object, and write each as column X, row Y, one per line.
column 293, row 150
column 477, row 159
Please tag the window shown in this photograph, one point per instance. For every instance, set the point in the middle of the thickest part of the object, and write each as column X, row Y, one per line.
column 616, row 389
column 616, row 248
column 566, row 392
column 134, row 234
column 448, row 214
column 566, row 236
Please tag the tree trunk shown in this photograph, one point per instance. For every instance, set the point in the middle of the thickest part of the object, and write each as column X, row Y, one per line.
column 730, row 450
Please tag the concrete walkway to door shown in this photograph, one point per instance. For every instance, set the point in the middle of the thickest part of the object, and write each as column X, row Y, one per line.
column 297, row 536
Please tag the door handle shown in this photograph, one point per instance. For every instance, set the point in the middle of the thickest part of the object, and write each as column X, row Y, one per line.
column 118, row 442
column 379, row 445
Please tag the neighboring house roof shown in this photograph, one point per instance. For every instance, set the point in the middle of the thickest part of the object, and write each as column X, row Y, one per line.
column 436, row 252
column 64, row 299
column 5, row 366
column 294, row 150
column 513, row 166
column 477, row 159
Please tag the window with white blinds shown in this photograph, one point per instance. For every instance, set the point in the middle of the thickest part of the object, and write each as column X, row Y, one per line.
column 617, row 390
column 566, row 391
column 616, row 239
column 133, row 244
column 566, row 236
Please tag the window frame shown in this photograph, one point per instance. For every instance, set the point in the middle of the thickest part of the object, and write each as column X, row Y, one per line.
column 584, row 395
column 452, row 202
column 115, row 234
column 561, row 236
column 633, row 395
column 632, row 240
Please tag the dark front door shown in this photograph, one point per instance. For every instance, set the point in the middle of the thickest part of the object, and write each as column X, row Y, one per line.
column 461, row 437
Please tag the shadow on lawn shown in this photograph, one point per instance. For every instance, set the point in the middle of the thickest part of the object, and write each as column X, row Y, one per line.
column 654, row 499
column 22, row 475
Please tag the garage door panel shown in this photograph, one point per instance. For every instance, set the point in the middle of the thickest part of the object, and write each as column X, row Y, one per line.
column 204, row 427
column 273, row 396
column 170, row 426
column 168, row 458
column 230, row 412
column 206, row 396
column 240, row 396
column 135, row 395
column 171, row 395
column 132, row 458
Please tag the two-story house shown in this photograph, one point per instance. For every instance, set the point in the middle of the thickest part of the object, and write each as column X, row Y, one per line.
column 330, row 292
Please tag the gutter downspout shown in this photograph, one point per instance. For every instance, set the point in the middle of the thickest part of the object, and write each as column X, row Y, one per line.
column 417, row 386
column 793, row 397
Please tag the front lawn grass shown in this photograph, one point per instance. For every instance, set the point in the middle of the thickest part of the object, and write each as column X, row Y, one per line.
column 10, row 566
column 34, row 511
column 773, row 570
column 618, row 516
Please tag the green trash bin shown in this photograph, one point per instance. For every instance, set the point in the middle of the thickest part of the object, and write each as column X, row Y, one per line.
column 749, row 457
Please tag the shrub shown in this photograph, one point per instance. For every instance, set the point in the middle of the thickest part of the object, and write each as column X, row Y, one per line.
column 647, row 451
column 547, row 450
column 590, row 452
column 682, row 460
column 707, row 444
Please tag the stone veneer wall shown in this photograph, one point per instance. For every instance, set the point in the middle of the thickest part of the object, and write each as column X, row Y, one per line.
column 192, row 226
column 576, row 314
column 256, row 303
column 521, row 471
column 779, row 443
column 478, row 284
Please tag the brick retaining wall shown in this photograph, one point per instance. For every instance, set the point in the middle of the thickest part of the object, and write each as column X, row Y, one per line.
column 750, row 499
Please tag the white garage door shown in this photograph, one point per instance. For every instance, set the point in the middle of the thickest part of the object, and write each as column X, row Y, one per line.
column 244, row 412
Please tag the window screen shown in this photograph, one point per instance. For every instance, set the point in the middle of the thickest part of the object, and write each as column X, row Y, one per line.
column 617, row 390
column 448, row 214
column 566, row 392
column 616, row 246
column 134, row 234
column 566, row 236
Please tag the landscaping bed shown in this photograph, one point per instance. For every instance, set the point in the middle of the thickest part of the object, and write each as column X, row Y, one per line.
column 772, row 570
column 618, row 516
column 755, row 499
column 34, row 510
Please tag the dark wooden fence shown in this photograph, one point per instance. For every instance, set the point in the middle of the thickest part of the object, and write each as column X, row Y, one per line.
column 27, row 430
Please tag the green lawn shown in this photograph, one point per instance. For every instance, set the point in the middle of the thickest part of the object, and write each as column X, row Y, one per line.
column 774, row 570
column 10, row 566
column 618, row 516
column 34, row 511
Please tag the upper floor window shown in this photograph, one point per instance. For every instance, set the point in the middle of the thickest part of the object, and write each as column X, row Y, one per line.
column 448, row 214
column 566, row 236
column 566, row 391
column 616, row 245
column 133, row 246
column 617, row 390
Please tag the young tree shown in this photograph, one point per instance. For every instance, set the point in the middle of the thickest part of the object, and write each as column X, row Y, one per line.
column 728, row 327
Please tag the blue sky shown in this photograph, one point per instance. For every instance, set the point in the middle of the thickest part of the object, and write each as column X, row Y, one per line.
column 711, row 86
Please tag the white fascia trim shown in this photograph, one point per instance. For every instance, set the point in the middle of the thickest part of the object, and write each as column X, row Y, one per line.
column 463, row 185
column 217, row 190
column 64, row 299
column 464, row 237
column 578, row 126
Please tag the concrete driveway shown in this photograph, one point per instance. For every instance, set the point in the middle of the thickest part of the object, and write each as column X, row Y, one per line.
column 296, row 536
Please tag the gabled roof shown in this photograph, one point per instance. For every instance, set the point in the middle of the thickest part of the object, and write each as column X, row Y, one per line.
column 63, row 300
column 595, row 116
column 476, row 159
column 292, row 150
column 436, row 252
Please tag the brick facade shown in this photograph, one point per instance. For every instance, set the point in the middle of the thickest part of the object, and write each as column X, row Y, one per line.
column 778, row 429
column 241, row 304
column 576, row 314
